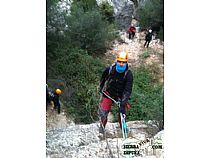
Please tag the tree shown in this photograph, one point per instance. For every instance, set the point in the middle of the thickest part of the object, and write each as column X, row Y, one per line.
column 147, row 98
column 71, row 38
column 86, row 4
column 90, row 31
column 151, row 14
column 107, row 10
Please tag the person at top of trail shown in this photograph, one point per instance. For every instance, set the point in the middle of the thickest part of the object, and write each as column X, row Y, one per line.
column 148, row 38
column 117, row 82
column 131, row 32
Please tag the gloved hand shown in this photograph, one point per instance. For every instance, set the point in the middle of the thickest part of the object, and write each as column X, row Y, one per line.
column 122, row 108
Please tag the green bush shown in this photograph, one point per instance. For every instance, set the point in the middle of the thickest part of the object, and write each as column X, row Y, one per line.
column 85, row 4
column 107, row 10
column 151, row 14
column 81, row 73
column 88, row 30
column 160, row 34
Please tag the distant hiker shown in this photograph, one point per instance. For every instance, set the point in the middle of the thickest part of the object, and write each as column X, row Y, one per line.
column 117, row 82
column 131, row 32
column 53, row 98
column 148, row 38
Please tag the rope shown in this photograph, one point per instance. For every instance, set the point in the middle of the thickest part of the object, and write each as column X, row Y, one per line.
column 104, row 135
column 123, row 123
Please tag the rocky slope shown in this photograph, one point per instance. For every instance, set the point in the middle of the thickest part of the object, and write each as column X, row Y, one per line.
column 123, row 11
column 84, row 141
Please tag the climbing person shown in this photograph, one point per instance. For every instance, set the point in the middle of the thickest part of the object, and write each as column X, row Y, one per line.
column 54, row 97
column 117, row 82
column 148, row 38
column 131, row 32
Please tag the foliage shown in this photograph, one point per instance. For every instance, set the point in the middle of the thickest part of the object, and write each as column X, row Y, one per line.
column 86, row 5
column 70, row 40
column 161, row 34
column 89, row 31
column 55, row 16
column 107, row 10
column 81, row 74
column 147, row 97
column 146, row 54
column 151, row 14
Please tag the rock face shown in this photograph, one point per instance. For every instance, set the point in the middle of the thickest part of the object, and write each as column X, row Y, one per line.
column 124, row 16
column 123, row 10
column 84, row 141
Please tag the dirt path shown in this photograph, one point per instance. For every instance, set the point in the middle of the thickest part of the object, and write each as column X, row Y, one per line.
column 138, row 55
column 136, row 50
column 55, row 120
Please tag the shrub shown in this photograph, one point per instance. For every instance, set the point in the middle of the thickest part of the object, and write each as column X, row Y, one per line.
column 88, row 30
column 81, row 73
column 107, row 11
column 151, row 14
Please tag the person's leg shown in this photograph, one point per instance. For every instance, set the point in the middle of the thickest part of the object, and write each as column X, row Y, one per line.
column 129, row 35
column 104, row 111
column 59, row 107
column 133, row 34
column 148, row 44
column 145, row 43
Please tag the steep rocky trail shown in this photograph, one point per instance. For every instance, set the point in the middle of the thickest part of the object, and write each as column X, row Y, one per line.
column 138, row 54
column 84, row 141
column 65, row 139
column 135, row 49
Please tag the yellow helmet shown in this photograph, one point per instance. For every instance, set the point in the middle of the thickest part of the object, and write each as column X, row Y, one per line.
column 58, row 91
column 122, row 56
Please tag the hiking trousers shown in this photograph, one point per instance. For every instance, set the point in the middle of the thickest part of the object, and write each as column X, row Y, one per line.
column 131, row 35
column 147, row 43
column 105, row 109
